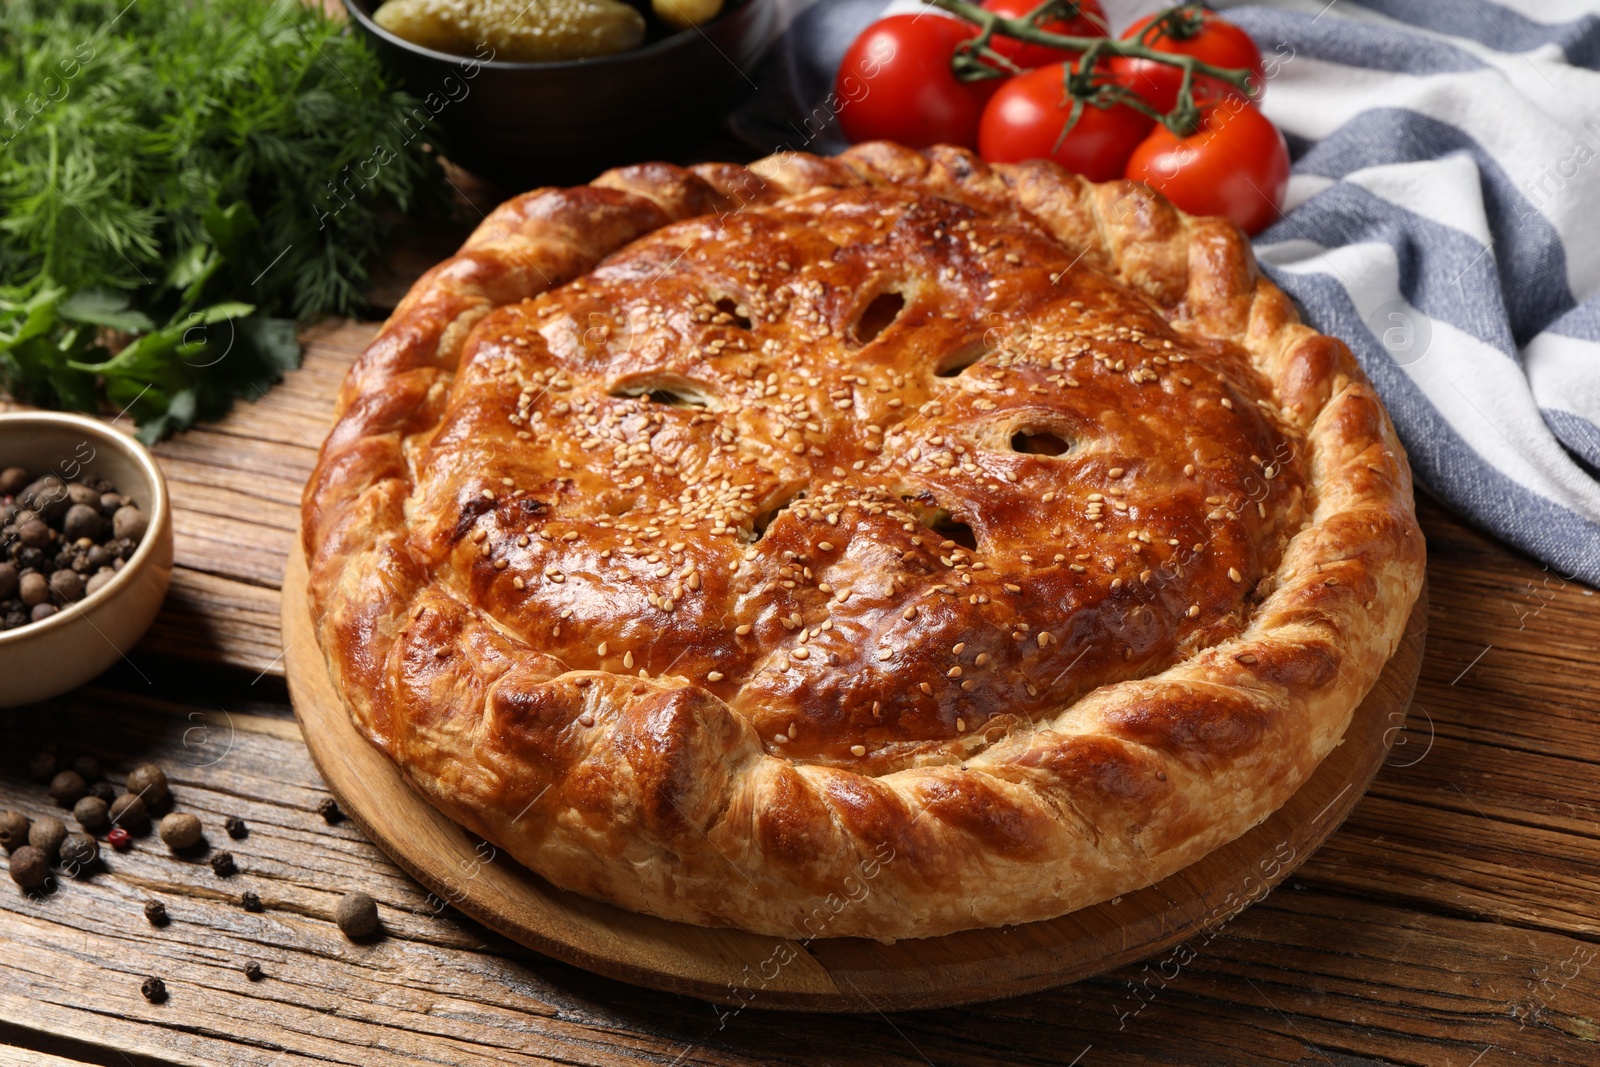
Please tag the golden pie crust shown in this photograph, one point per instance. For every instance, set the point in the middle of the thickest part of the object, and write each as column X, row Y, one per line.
column 956, row 544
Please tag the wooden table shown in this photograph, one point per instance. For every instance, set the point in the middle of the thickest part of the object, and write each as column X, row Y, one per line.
column 1453, row 920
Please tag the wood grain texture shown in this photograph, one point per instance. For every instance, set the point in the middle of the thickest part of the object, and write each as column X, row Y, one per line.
column 1451, row 921
column 827, row 974
column 235, row 488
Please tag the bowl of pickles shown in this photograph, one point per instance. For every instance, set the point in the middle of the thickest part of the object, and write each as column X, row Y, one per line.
column 551, row 92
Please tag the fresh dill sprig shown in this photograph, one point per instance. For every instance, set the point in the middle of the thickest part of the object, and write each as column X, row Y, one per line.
column 179, row 181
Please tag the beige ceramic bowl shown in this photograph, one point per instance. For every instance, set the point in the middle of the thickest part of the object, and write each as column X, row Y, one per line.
column 47, row 658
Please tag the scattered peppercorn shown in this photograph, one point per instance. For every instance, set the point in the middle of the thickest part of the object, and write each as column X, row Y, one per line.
column 156, row 912
column 149, row 782
column 252, row 971
column 29, row 867
column 42, row 766
column 329, row 810
column 46, row 835
column 129, row 812
column 91, row 812
column 251, row 900
column 88, row 768
column 68, row 787
column 119, row 839
column 104, row 790
column 13, row 830
column 236, row 827
column 180, row 830
column 78, row 854
column 357, row 915
column 222, row 865
column 154, row 990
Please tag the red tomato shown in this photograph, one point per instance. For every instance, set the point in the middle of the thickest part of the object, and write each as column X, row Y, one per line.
column 1218, row 42
column 1026, row 117
column 1090, row 21
column 896, row 84
column 1236, row 164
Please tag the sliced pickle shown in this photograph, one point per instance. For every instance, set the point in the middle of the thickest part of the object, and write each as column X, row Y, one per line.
column 516, row 30
column 682, row 14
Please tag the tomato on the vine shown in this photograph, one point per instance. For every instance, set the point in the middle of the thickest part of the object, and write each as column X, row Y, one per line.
column 896, row 84
column 1027, row 115
column 1236, row 164
column 1090, row 21
column 1212, row 40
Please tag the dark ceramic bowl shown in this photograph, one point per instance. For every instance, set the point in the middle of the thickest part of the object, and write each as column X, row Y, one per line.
column 522, row 125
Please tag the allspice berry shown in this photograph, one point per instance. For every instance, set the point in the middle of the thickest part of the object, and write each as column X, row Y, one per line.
column 46, row 835
column 92, row 813
column 42, row 766
column 82, row 521
column 129, row 812
column 180, row 830
column 34, row 589
column 129, row 522
column 68, row 787
column 150, row 782
column 88, row 767
column 13, row 830
column 357, row 915
column 78, row 854
column 66, row 585
column 29, row 867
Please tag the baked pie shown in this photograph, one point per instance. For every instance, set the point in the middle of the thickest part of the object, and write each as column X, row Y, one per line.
column 969, row 543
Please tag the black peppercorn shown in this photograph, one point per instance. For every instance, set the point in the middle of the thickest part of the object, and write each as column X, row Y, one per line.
column 78, row 854
column 154, row 990
column 13, row 830
column 329, row 810
column 42, row 766
column 29, row 867
column 357, row 915
column 252, row 971
column 105, row 791
column 251, row 900
column 235, row 827
column 222, row 865
column 156, row 912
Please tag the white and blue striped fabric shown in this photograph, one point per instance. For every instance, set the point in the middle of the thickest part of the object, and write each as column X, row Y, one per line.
column 1443, row 219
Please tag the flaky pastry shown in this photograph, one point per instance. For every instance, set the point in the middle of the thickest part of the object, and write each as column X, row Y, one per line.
column 966, row 544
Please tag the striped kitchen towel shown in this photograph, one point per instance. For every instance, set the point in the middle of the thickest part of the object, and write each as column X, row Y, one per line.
column 1443, row 219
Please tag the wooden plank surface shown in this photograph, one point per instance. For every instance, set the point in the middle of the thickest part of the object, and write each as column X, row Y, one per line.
column 1453, row 920
column 852, row 974
column 235, row 488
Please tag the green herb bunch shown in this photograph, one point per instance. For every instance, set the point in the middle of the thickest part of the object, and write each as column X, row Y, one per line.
column 181, row 180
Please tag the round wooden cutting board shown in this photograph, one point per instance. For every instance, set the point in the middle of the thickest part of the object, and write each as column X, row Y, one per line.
column 828, row 974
